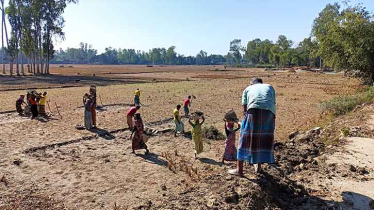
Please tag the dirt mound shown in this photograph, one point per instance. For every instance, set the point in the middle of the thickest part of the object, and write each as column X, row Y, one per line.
column 286, row 185
column 212, row 133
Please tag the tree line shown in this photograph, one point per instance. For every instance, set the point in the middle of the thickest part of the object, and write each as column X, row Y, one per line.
column 341, row 38
column 281, row 53
column 34, row 24
column 85, row 54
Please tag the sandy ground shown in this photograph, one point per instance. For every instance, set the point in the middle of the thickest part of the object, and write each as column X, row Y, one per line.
column 95, row 169
column 358, row 153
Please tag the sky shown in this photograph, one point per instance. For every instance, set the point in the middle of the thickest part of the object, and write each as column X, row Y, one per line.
column 190, row 25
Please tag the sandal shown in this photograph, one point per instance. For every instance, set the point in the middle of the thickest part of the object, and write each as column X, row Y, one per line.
column 234, row 172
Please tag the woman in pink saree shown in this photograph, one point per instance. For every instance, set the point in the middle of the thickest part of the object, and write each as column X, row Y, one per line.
column 230, row 149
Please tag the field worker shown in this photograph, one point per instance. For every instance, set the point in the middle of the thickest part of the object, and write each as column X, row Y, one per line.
column 256, row 142
column 230, row 149
column 93, row 97
column 88, row 103
column 130, row 114
column 138, row 136
column 34, row 106
column 179, row 126
column 42, row 102
column 186, row 105
column 19, row 102
column 137, row 97
column 197, row 135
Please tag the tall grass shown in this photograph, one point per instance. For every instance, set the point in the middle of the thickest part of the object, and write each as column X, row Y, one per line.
column 341, row 105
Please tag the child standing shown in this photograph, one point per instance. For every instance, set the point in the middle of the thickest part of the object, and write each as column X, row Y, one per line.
column 230, row 149
column 197, row 135
column 88, row 103
column 179, row 126
column 137, row 97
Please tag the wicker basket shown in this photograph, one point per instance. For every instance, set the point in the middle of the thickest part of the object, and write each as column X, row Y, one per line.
column 196, row 115
column 230, row 116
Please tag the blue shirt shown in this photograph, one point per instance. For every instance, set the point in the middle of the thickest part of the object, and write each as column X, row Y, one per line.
column 259, row 96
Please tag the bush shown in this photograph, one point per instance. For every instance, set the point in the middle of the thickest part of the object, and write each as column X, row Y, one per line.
column 341, row 105
column 212, row 133
column 264, row 66
column 269, row 66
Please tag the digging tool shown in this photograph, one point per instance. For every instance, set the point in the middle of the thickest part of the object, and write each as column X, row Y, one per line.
column 50, row 111
column 193, row 97
column 58, row 111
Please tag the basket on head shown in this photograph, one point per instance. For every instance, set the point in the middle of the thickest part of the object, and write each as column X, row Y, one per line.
column 230, row 115
column 197, row 115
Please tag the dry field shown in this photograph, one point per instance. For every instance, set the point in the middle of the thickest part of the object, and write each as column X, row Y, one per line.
column 95, row 170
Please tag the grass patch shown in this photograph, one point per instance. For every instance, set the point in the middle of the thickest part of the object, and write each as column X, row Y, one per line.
column 341, row 105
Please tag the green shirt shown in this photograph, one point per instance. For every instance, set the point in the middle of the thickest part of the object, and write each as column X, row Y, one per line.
column 259, row 96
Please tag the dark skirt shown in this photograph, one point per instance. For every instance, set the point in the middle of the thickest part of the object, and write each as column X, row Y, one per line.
column 136, row 100
column 137, row 141
column 34, row 110
column 19, row 108
column 256, row 142
column 186, row 110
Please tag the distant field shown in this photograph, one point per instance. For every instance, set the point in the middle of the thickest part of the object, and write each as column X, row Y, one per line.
column 298, row 96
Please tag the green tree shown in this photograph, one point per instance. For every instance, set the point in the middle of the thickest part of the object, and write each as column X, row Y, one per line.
column 275, row 55
column 171, row 55
column 236, row 48
column 345, row 41
column 201, row 58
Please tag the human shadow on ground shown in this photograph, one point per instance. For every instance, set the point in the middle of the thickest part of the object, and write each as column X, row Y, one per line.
column 45, row 119
column 105, row 106
column 210, row 161
column 153, row 158
column 103, row 133
column 187, row 135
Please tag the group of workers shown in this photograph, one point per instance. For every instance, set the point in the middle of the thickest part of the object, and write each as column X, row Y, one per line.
column 256, row 142
column 35, row 105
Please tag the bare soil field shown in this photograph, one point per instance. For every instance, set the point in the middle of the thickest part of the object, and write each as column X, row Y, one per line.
column 50, row 161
